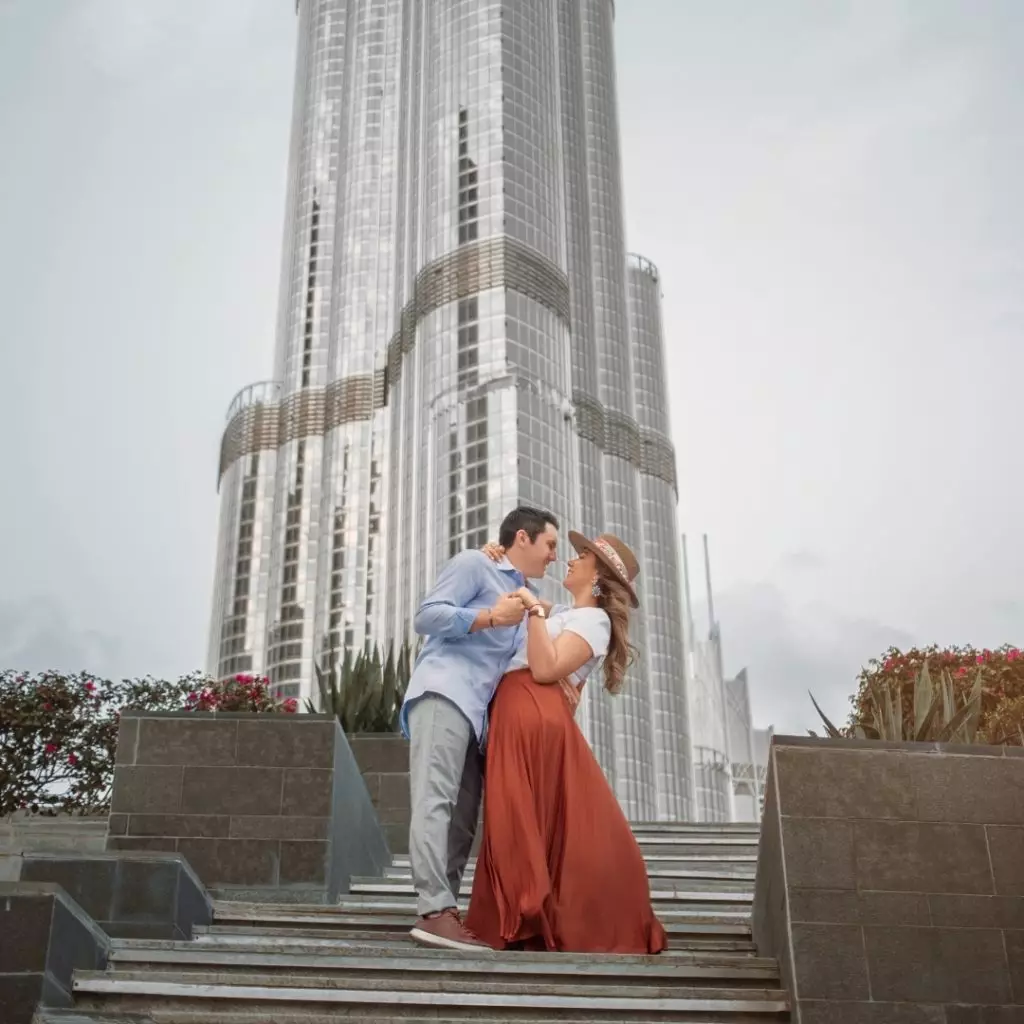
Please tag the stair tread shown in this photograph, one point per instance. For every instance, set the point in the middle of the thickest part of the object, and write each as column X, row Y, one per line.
column 741, row 945
column 410, row 950
column 315, row 963
column 554, row 964
column 402, row 922
column 660, row 892
column 229, row 910
column 47, row 1015
column 333, row 990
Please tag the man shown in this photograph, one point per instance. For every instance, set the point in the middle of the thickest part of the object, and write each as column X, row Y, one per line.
column 472, row 620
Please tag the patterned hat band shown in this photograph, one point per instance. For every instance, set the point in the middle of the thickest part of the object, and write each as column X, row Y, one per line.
column 613, row 556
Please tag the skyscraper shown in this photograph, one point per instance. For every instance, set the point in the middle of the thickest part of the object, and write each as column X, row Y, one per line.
column 460, row 330
column 709, row 707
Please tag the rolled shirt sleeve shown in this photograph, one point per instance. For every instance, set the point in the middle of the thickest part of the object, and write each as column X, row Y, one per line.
column 444, row 612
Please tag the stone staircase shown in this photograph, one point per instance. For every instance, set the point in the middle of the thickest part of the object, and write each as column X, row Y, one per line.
column 286, row 963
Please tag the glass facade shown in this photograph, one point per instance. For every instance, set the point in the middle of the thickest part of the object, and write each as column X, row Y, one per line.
column 460, row 331
column 659, row 549
column 747, row 784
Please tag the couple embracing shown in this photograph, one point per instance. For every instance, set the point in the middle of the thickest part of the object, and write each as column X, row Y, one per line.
column 502, row 672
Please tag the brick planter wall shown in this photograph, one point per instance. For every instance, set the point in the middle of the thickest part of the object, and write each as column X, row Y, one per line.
column 272, row 803
column 890, row 881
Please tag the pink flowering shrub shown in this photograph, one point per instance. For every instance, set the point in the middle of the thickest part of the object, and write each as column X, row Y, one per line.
column 1002, row 680
column 58, row 733
column 243, row 693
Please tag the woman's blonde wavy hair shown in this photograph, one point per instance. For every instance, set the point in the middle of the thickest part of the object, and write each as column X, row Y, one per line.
column 616, row 602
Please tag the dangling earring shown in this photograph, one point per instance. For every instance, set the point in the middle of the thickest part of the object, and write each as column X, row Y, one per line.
column 595, row 588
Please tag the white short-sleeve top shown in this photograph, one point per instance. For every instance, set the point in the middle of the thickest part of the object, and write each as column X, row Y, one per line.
column 592, row 624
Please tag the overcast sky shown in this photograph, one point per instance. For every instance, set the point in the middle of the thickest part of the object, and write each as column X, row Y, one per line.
column 830, row 189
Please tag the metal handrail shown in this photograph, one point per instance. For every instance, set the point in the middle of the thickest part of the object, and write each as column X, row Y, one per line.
column 634, row 259
column 264, row 392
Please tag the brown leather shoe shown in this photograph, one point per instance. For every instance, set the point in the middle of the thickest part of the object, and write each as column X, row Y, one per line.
column 446, row 931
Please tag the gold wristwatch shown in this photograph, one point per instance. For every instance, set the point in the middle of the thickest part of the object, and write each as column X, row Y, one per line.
column 538, row 610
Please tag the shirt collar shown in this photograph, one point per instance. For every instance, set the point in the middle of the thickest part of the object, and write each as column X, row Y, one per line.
column 506, row 566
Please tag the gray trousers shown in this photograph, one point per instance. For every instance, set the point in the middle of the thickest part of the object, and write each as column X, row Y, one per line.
column 446, row 780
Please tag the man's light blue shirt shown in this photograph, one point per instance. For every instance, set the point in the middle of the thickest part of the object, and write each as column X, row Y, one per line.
column 464, row 667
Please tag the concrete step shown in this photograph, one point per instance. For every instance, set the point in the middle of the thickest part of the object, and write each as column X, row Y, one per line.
column 698, row 827
column 58, row 824
column 655, row 862
column 393, row 934
column 46, row 1015
column 665, row 901
column 740, row 874
column 695, row 838
column 707, row 969
column 670, row 844
column 687, row 846
column 525, row 1015
column 415, row 998
column 53, row 835
column 242, row 941
column 746, row 861
column 352, row 908
column 662, row 888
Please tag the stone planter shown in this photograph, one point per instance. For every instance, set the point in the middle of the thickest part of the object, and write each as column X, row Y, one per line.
column 383, row 760
column 890, row 881
column 268, row 806
column 44, row 937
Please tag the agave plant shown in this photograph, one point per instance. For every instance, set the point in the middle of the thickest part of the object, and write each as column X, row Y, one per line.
column 937, row 717
column 364, row 693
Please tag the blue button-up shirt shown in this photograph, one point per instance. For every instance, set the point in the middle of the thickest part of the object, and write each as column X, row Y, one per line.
column 464, row 667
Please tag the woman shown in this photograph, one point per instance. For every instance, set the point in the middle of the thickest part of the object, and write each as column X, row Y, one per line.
column 559, row 868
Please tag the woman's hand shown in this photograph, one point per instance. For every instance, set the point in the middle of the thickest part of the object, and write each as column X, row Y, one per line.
column 572, row 694
column 495, row 552
column 527, row 596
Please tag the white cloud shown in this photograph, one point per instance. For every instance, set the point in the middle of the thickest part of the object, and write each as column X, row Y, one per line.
column 37, row 634
column 791, row 647
column 125, row 39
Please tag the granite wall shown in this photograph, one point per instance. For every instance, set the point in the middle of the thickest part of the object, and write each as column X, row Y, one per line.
column 267, row 806
column 130, row 894
column 383, row 760
column 890, row 881
column 44, row 937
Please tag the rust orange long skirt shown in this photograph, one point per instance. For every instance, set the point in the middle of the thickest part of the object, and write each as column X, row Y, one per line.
column 558, row 868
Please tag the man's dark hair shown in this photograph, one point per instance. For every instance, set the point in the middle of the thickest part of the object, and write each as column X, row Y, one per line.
column 533, row 520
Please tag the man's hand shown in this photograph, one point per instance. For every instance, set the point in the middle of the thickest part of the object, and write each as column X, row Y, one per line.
column 508, row 610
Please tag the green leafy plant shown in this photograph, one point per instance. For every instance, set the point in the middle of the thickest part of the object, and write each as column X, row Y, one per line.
column 1002, row 681
column 895, row 695
column 937, row 714
column 1006, row 723
column 365, row 693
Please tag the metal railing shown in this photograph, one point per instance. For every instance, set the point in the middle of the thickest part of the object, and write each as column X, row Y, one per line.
column 264, row 392
column 642, row 263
